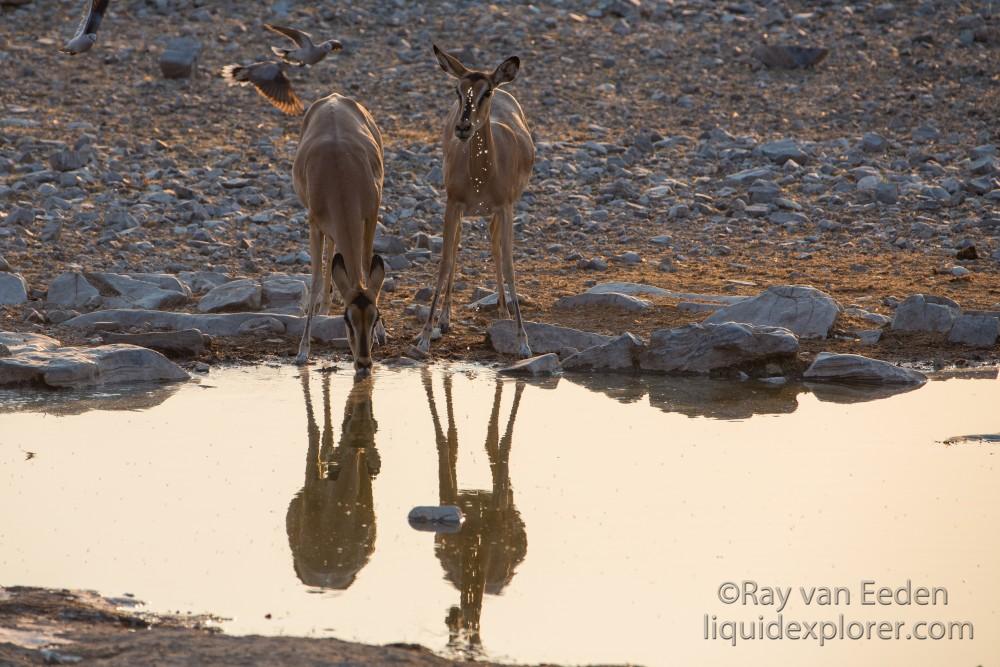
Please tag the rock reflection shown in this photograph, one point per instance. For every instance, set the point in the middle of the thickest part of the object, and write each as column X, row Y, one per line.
column 727, row 399
column 331, row 521
column 482, row 556
column 67, row 402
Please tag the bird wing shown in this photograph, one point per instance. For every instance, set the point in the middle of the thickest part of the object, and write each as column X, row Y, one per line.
column 271, row 82
column 300, row 38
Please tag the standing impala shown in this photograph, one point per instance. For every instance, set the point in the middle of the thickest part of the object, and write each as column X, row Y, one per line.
column 338, row 176
column 488, row 156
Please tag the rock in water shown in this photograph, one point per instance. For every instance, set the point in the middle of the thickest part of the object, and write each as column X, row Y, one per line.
column 805, row 311
column 436, row 518
column 542, row 338
column 706, row 348
column 926, row 313
column 543, row 364
column 13, row 289
column 40, row 361
column 833, row 367
column 180, row 58
column 620, row 354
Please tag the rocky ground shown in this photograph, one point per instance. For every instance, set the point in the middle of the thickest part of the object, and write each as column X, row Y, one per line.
column 82, row 627
column 667, row 155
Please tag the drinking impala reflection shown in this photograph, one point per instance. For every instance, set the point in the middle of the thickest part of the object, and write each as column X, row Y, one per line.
column 331, row 521
column 482, row 556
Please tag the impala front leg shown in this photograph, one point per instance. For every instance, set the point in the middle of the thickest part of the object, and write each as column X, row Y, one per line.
column 315, row 296
column 507, row 246
column 496, row 235
column 444, row 322
column 452, row 221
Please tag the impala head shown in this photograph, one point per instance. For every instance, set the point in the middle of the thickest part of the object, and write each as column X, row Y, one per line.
column 361, row 314
column 475, row 90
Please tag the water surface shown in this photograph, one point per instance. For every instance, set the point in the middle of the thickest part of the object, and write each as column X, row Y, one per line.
column 602, row 515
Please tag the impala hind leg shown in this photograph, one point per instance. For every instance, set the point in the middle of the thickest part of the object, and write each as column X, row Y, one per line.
column 316, row 260
column 444, row 322
column 496, row 234
column 452, row 221
column 507, row 247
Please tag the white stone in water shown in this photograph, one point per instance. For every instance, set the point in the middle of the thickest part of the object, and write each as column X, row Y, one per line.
column 848, row 368
column 706, row 348
column 436, row 518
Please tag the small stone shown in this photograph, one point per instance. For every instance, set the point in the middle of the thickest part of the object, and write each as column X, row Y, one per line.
column 238, row 295
column 13, row 289
column 180, row 58
column 968, row 252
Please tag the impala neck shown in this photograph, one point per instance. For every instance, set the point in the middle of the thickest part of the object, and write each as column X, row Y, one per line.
column 482, row 158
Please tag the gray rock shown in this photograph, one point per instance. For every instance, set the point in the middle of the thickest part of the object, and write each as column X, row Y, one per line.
column 324, row 329
column 164, row 281
column 639, row 288
column 619, row 354
column 73, row 290
column 926, row 313
column 763, row 192
column 784, row 150
column 543, row 364
column 389, row 245
column 874, row 318
column 70, row 160
column 854, row 368
column 604, row 300
column 786, row 56
column 286, row 295
column 180, row 344
column 975, row 330
column 122, row 291
column 707, row 348
column 748, row 176
column 41, row 361
column 873, row 143
column 13, row 289
column 805, row 311
column 179, row 59
column 235, row 296
column 436, row 518
column 202, row 282
column 542, row 338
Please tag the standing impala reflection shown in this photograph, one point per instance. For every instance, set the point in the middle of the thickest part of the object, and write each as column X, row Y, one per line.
column 331, row 521
column 482, row 556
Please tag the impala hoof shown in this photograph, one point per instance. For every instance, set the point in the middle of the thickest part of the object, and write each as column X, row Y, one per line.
column 444, row 326
column 302, row 359
column 524, row 351
column 423, row 345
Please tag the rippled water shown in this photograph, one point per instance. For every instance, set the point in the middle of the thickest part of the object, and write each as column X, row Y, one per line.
column 602, row 514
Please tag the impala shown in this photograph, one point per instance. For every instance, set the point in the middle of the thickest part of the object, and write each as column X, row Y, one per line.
column 337, row 175
column 488, row 156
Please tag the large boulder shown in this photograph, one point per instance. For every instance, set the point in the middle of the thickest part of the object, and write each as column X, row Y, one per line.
column 41, row 361
column 324, row 329
column 13, row 289
column 543, row 338
column 922, row 312
column 127, row 292
column 615, row 300
column 180, row 344
column 284, row 295
column 805, row 311
column 235, row 296
column 73, row 290
column 834, row 367
column 975, row 330
column 619, row 354
column 166, row 281
column 708, row 348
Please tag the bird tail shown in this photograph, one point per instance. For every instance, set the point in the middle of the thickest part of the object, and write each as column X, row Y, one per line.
column 234, row 74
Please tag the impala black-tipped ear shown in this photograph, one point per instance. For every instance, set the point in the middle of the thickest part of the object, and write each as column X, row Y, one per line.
column 338, row 270
column 506, row 72
column 450, row 63
column 376, row 276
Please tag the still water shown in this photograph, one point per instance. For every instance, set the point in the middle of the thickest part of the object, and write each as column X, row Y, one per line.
column 602, row 515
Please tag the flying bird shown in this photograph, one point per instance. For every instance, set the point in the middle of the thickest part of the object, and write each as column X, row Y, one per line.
column 306, row 52
column 86, row 32
column 268, row 77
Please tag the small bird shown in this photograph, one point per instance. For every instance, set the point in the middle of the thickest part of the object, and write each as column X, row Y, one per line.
column 268, row 77
column 86, row 32
column 307, row 53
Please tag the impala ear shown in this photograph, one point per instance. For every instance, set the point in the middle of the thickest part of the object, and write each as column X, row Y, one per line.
column 376, row 276
column 450, row 63
column 339, row 273
column 506, row 72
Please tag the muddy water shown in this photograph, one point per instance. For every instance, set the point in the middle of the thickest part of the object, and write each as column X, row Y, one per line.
column 602, row 517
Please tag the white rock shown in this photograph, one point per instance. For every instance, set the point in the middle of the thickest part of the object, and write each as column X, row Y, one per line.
column 856, row 368
column 13, row 289
column 543, row 364
column 615, row 300
column 805, row 311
